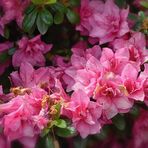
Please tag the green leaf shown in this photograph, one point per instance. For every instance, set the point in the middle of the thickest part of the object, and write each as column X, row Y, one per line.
column 29, row 9
column 119, row 122
column 59, row 7
column 121, row 3
column 58, row 17
column 4, row 57
column 132, row 16
column 11, row 51
column 29, row 20
column 60, row 123
column 144, row 4
column 50, row 1
column 66, row 132
column 45, row 132
column 72, row 16
column 46, row 16
column 49, row 142
column 74, row 3
column 41, row 25
column 38, row 2
column 142, row 15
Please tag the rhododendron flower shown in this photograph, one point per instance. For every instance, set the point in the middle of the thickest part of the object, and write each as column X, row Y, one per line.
column 31, row 51
column 13, row 10
column 109, row 24
column 85, row 114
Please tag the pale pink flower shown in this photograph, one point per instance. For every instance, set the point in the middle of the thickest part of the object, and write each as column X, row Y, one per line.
column 31, row 51
column 109, row 24
column 85, row 114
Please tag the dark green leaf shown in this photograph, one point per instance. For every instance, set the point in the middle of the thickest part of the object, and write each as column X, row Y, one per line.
column 59, row 7
column 11, row 51
column 119, row 122
column 132, row 16
column 74, row 2
column 49, row 142
column 4, row 57
column 29, row 20
column 72, row 16
column 121, row 3
column 46, row 17
column 41, row 25
column 58, row 17
column 29, row 9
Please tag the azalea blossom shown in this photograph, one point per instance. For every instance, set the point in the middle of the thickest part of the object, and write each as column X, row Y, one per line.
column 31, row 51
column 85, row 114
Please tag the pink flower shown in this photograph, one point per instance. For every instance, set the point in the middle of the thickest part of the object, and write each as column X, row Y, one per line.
column 29, row 77
column 134, row 48
column 85, row 114
column 31, row 51
column 87, row 10
column 133, row 83
column 111, row 94
column 21, row 115
column 109, row 24
column 13, row 10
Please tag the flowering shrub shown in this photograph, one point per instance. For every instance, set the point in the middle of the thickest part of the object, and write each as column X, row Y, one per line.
column 73, row 69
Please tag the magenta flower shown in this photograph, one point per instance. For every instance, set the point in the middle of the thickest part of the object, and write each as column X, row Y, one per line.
column 31, row 51
column 109, row 24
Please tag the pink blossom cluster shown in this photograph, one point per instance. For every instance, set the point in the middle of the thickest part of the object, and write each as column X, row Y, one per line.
column 25, row 111
column 102, row 21
column 108, row 79
column 98, row 81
